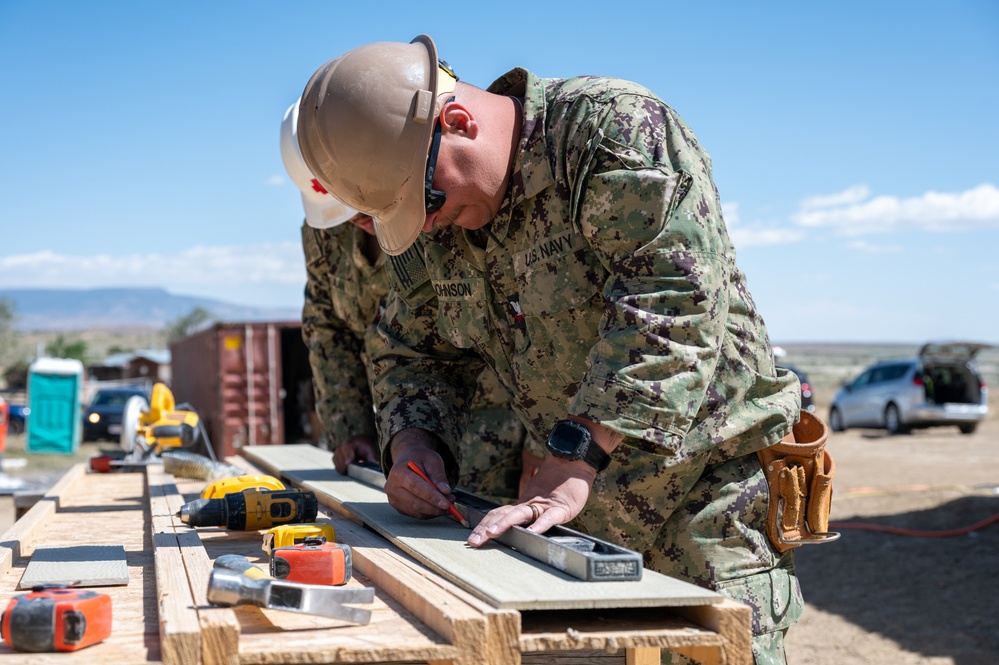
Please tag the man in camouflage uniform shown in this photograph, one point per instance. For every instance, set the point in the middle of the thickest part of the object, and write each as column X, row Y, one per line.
column 347, row 284
column 575, row 245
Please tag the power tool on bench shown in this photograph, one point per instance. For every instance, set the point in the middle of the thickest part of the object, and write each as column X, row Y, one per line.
column 252, row 509
column 150, row 428
column 56, row 618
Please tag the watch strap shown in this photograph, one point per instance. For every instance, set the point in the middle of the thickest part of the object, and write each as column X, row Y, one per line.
column 596, row 456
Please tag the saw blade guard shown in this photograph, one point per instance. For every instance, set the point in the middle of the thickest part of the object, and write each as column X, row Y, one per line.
column 130, row 421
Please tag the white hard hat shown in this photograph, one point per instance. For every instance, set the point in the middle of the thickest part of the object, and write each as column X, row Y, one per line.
column 322, row 209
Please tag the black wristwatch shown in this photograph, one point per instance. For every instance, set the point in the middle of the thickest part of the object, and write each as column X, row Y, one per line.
column 570, row 440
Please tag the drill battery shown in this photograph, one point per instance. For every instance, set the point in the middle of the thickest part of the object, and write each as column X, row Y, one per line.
column 53, row 618
column 313, row 561
column 220, row 488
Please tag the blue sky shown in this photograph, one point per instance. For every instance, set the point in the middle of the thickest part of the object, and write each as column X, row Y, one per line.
column 855, row 144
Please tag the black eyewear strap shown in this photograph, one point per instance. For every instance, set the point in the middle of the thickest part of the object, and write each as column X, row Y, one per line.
column 434, row 198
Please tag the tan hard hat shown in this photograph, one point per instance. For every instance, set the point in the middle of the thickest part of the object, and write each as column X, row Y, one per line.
column 364, row 128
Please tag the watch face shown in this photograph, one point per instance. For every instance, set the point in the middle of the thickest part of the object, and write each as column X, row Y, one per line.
column 566, row 441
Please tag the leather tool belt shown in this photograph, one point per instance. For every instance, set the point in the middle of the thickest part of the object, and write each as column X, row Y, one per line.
column 799, row 471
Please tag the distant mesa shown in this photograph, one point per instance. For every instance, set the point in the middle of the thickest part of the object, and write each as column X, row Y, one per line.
column 81, row 309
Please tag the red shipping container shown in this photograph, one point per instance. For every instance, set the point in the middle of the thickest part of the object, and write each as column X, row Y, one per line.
column 246, row 382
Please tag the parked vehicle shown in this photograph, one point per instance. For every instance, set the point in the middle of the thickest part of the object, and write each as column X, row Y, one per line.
column 941, row 386
column 102, row 418
column 18, row 418
column 807, row 401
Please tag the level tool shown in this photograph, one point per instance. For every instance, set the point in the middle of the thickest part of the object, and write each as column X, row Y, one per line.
column 573, row 552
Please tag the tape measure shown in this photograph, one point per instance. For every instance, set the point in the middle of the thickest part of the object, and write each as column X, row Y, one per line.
column 56, row 618
column 313, row 561
column 286, row 535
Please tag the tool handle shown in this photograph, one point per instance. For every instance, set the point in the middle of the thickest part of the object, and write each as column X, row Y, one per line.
column 240, row 564
column 450, row 506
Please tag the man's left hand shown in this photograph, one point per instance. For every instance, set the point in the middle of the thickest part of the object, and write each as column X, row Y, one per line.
column 559, row 491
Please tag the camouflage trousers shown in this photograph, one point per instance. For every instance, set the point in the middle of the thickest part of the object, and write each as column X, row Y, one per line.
column 489, row 455
column 701, row 520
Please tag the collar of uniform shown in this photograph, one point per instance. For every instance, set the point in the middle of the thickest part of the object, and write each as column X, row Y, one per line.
column 531, row 172
column 358, row 241
column 454, row 239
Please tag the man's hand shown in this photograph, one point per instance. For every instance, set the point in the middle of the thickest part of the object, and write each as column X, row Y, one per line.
column 558, row 492
column 357, row 448
column 407, row 492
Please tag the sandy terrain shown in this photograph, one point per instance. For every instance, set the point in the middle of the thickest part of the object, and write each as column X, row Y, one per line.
column 901, row 600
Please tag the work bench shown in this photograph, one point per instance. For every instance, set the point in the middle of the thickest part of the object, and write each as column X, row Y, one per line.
column 162, row 614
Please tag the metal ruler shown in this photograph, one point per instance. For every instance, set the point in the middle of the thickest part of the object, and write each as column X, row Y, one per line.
column 574, row 553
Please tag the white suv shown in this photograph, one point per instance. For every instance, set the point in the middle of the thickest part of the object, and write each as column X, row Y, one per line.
column 940, row 387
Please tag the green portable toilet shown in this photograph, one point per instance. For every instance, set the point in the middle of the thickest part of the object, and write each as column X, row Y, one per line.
column 55, row 388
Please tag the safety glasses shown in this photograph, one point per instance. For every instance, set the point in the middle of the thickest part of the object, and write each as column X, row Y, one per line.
column 434, row 198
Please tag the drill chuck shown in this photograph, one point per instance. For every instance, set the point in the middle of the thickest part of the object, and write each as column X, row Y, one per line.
column 204, row 512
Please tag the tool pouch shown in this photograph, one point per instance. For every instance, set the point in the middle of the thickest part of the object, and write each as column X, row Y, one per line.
column 799, row 472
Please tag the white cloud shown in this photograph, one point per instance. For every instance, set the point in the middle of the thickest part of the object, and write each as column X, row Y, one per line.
column 870, row 248
column 849, row 214
column 730, row 211
column 276, row 181
column 198, row 268
column 850, row 196
column 756, row 234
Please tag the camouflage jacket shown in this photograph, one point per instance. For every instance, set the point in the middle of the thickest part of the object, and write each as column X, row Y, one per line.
column 605, row 287
column 344, row 298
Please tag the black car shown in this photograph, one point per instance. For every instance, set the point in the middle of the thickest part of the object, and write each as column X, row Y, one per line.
column 102, row 418
column 807, row 403
column 17, row 419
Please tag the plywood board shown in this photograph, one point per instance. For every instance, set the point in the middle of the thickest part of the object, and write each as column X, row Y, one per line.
column 501, row 577
column 77, row 565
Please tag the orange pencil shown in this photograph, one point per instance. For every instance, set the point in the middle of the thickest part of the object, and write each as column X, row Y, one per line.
column 450, row 506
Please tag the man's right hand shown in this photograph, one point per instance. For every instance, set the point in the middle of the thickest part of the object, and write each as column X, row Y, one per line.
column 407, row 492
column 357, row 448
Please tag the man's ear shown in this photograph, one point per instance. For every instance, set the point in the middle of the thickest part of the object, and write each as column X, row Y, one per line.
column 456, row 118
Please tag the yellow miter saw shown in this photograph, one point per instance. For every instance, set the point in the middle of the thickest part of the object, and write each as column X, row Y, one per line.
column 150, row 428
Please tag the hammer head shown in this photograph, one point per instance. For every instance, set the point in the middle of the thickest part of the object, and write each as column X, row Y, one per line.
column 228, row 588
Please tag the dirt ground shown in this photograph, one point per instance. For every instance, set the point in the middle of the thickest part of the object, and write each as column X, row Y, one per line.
column 901, row 600
column 871, row 597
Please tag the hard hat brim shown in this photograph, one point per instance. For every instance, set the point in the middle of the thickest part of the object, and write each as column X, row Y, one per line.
column 327, row 214
column 398, row 227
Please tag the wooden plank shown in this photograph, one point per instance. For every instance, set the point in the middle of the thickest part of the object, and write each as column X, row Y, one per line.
column 180, row 629
column 23, row 501
column 626, row 629
column 732, row 620
column 480, row 633
column 269, row 637
column 501, row 577
column 22, row 534
column 218, row 626
column 97, row 509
